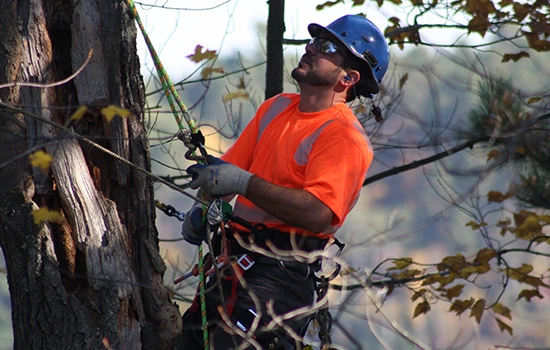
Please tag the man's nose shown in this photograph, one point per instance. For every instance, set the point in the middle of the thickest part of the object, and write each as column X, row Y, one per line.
column 311, row 47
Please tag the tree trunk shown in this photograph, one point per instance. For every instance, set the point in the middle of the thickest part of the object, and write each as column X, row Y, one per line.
column 95, row 279
column 275, row 60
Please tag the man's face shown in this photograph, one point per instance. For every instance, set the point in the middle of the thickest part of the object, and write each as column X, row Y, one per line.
column 321, row 65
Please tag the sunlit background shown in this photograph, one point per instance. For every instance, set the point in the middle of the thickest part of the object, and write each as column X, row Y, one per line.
column 405, row 215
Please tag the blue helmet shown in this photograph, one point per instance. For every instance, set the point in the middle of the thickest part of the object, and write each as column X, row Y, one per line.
column 365, row 41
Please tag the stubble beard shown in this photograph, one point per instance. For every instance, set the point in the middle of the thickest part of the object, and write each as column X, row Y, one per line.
column 314, row 78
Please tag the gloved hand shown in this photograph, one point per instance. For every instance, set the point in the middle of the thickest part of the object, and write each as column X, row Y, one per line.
column 219, row 178
column 193, row 230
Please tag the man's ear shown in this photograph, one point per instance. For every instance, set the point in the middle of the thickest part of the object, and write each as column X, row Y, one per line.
column 351, row 77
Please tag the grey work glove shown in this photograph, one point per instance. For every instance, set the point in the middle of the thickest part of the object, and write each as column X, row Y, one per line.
column 219, row 178
column 193, row 229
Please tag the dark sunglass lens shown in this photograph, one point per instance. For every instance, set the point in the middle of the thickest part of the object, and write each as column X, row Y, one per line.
column 326, row 46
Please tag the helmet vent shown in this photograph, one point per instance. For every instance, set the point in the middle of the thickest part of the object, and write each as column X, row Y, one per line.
column 369, row 57
column 344, row 34
column 366, row 38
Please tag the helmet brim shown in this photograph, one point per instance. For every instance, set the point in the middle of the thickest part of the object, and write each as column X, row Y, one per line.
column 315, row 29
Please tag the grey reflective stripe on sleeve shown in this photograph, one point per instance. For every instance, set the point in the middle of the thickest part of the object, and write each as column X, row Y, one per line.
column 301, row 155
column 362, row 131
column 276, row 108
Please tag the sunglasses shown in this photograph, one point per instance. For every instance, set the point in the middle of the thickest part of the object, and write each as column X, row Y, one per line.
column 324, row 45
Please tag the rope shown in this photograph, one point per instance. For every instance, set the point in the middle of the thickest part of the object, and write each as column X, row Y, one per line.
column 106, row 151
column 169, row 92
column 163, row 76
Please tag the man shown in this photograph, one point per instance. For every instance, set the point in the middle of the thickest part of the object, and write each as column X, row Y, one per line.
column 297, row 170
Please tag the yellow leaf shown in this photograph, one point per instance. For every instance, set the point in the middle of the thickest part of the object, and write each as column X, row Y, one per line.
column 198, row 55
column 361, row 109
column 431, row 280
column 419, row 293
column 524, row 269
column 520, row 150
column 234, row 95
column 498, row 197
column 504, row 327
column 533, row 100
column 484, row 256
column 522, row 275
column 480, row 23
column 477, row 310
column 475, row 226
column 421, row 308
column 406, row 274
column 401, row 263
column 535, row 42
column 79, row 113
column 459, row 306
column 206, row 72
column 470, row 270
column 40, row 160
column 443, row 281
column 454, row 291
column 529, row 228
column 241, row 85
column 43, row 214
column 395, row 21
column 452, row 263
column 403, row 80
column 514, row 56
column 521, row 10
column 528, row 294
column 493, row 154
column 502, row 310
column 112, row 111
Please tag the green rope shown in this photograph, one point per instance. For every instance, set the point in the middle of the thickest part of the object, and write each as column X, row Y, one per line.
column 167, row 84
column 170, row 91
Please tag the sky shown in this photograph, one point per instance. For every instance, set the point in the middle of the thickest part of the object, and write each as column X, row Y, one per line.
column 227, row 26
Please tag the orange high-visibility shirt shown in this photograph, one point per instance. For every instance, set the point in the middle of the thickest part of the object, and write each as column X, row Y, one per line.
column 326, row 153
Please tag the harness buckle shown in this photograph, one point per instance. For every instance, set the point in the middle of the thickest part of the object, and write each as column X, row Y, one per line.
column 245, row 262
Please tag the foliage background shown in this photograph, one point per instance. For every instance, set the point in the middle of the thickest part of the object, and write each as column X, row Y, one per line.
column 399, row 216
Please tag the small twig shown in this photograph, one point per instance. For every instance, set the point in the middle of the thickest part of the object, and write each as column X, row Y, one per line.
column 54, row 84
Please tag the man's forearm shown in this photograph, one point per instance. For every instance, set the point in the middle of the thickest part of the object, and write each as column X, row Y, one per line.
column 292, row 206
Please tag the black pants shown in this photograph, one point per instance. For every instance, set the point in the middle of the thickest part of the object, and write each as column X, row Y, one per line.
column 288, row 290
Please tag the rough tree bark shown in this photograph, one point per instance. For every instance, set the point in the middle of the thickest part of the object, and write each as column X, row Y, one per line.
column 98, row 276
